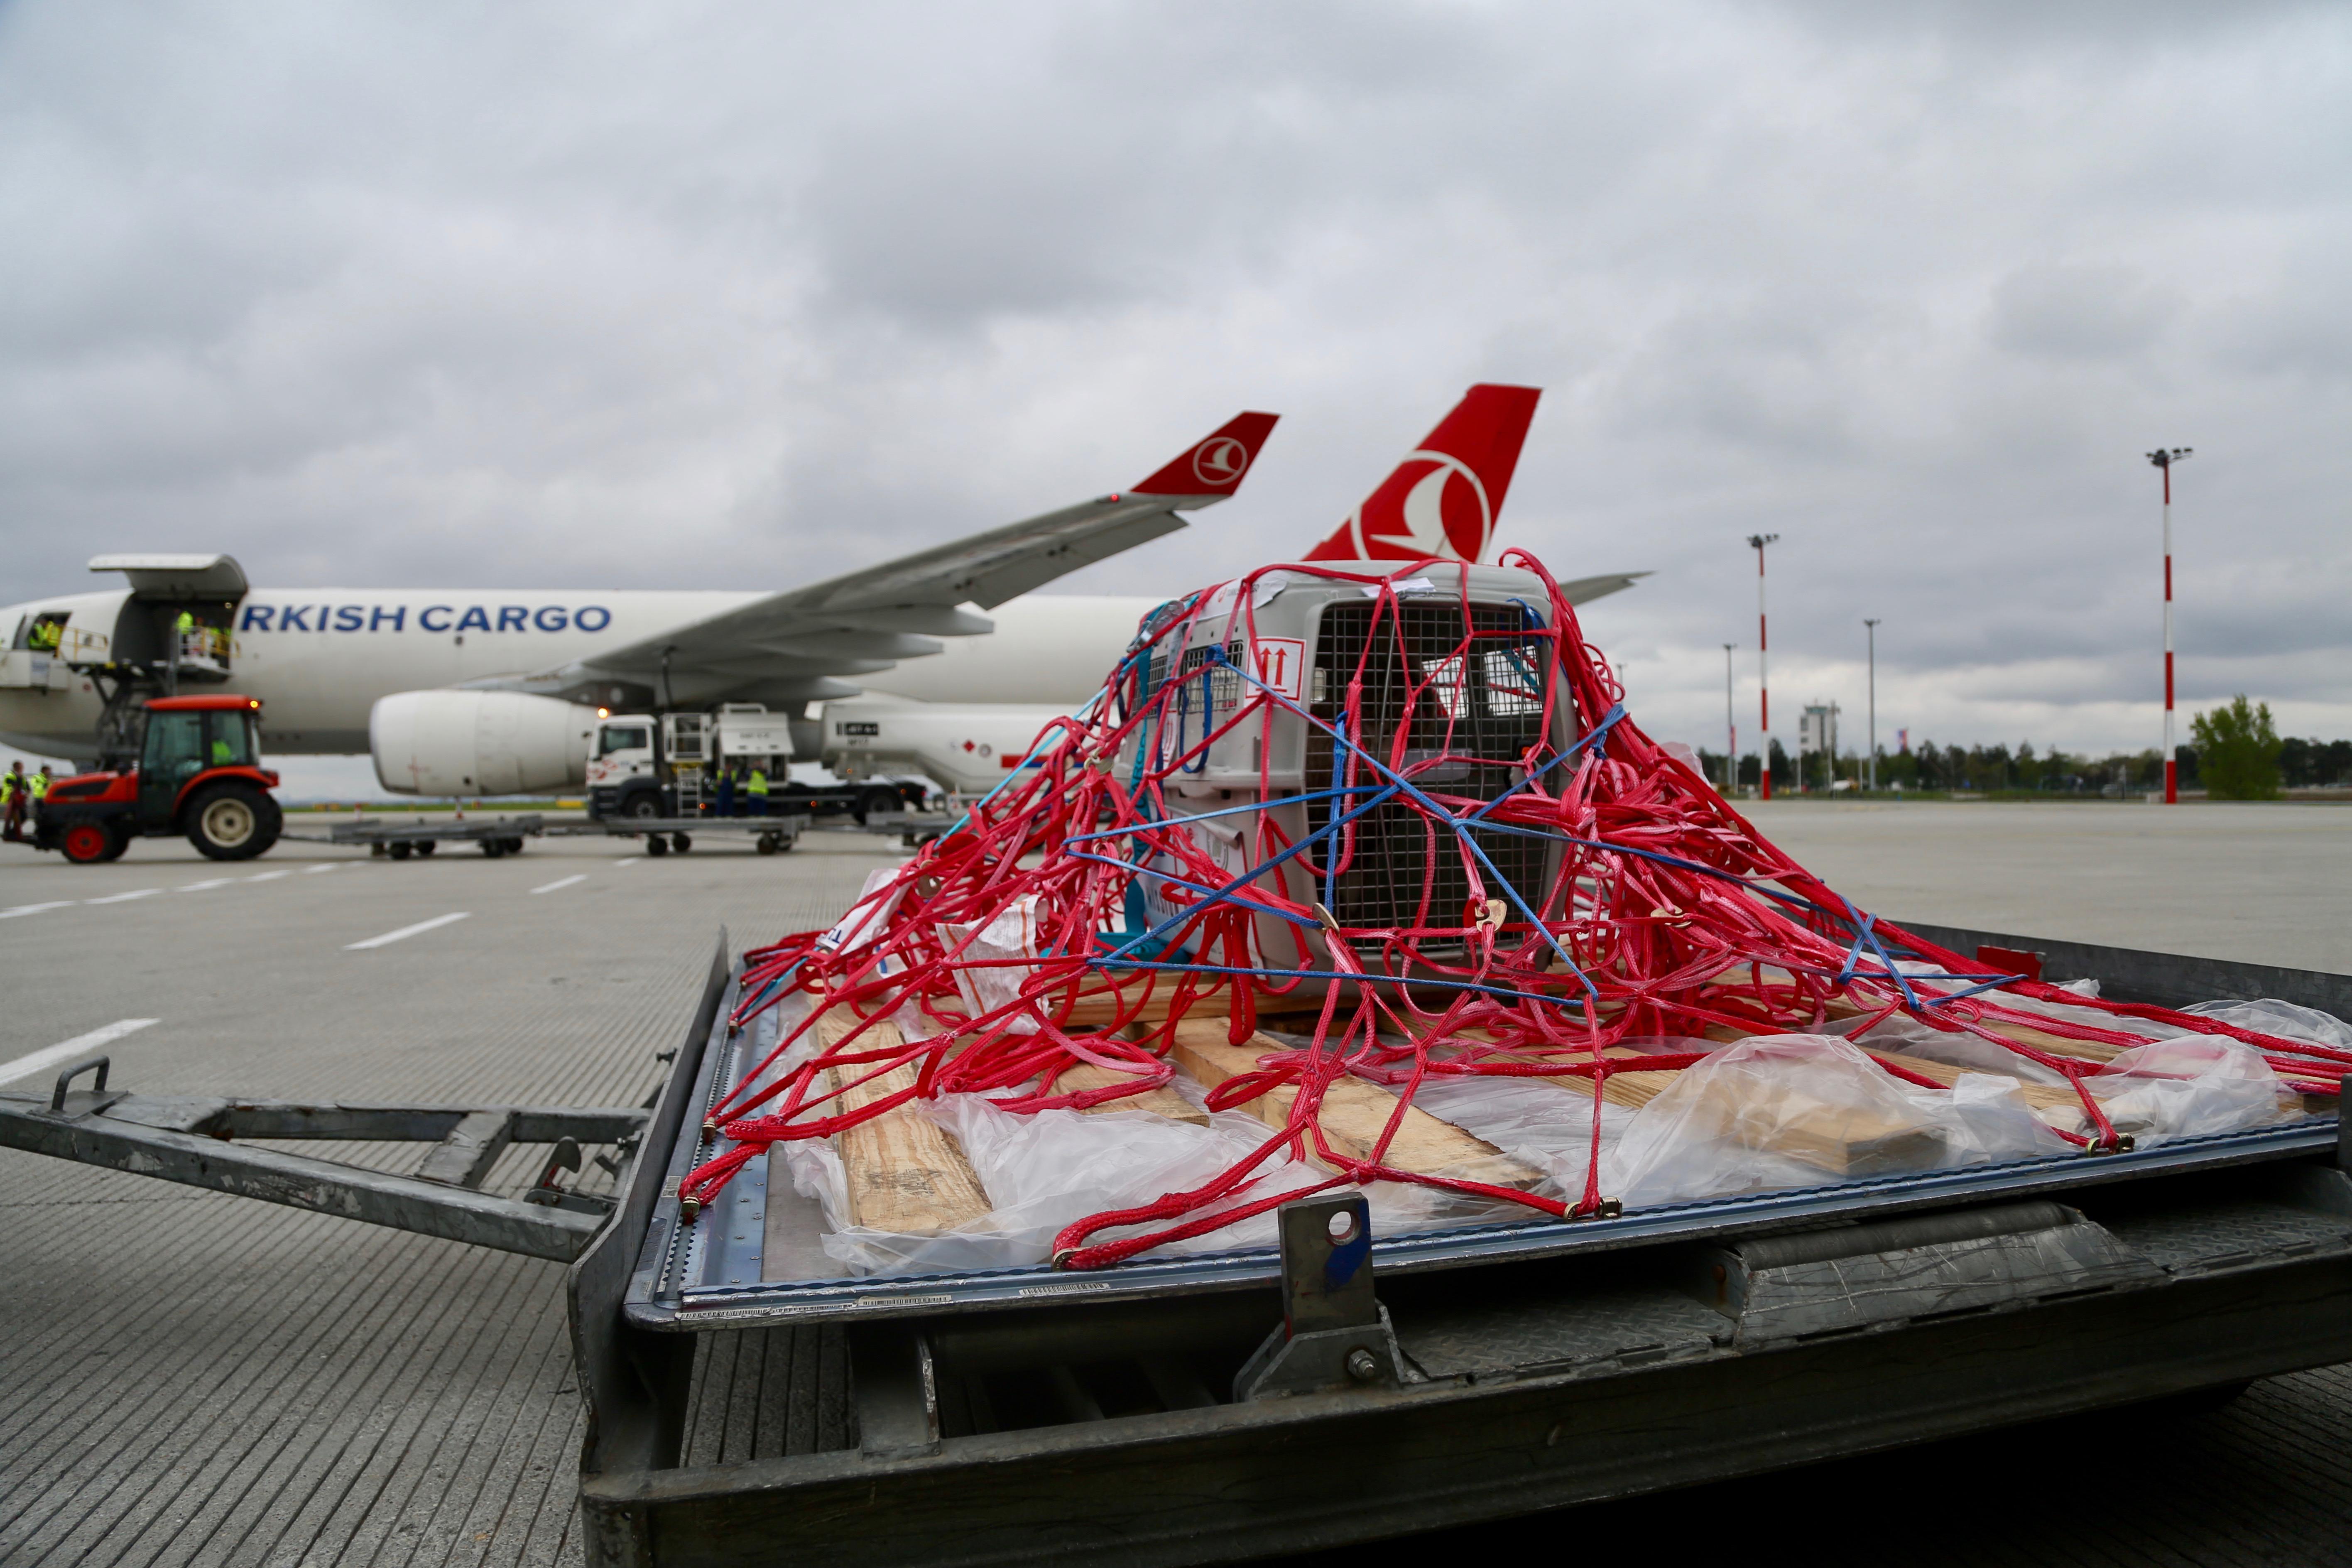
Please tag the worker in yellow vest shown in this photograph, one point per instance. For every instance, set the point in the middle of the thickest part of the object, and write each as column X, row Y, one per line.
column 15, row 799
column 758, row 790
column 39, row 782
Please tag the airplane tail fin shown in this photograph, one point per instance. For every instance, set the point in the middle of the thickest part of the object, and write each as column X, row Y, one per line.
column 1442, row 501
column 1213, row 469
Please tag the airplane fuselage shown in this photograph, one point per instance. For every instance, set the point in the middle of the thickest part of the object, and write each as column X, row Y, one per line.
column 319, row 658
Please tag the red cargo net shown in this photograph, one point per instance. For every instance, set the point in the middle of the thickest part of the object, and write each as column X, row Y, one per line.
column 1664, row 913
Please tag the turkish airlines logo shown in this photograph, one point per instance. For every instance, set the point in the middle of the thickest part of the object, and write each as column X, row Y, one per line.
column 1220, row 460
column 1433, row 506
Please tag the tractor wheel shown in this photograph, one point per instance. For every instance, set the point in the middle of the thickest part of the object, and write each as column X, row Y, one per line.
column 87, row 843
column 232, row 821
column 117, row 840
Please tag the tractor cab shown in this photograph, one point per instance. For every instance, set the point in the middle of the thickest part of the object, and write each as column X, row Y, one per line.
column 184, row 764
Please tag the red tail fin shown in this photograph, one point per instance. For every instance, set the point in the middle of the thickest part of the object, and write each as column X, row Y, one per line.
column 1442, row 501
column 1215, row 466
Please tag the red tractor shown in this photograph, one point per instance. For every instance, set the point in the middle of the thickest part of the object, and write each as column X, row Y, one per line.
column 197, row 771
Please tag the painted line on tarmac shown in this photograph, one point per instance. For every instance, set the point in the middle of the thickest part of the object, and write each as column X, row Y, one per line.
column 209, row 882
column 270, row 876
column 35, row 909
column 630, row 860
column 564, row 883
column 406, row 932
column 125, row 898
column 66, row 1050
column 314, row 870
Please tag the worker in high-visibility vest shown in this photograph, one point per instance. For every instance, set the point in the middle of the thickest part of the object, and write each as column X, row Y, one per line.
column 15, row 799
column 758, row 790
column 39, row 782
column 43, row 638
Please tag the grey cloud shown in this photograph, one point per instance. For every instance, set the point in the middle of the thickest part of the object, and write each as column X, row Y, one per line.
column 2079, row 311
column 745, row 293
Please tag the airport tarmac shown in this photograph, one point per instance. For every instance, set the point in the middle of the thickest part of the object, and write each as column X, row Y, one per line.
column 189, row 1378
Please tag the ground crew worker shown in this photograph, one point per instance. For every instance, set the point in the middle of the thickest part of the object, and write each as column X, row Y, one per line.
column 45, row 637
column 726, row 791
column 39, row 782
column 223, row 752
column 16, row 797
column 758, row 790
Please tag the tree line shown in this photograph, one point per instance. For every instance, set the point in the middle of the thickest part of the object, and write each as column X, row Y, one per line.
column 2235, row 753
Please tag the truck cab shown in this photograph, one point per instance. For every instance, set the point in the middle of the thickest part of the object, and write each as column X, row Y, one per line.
column 195, row 768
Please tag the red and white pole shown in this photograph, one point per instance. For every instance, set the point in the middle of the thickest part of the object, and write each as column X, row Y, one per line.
column 1763, row 670
column 2164, row 458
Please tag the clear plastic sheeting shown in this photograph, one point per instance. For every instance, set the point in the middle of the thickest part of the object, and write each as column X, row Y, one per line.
column 2189, row 1086
column 1954, row 1047
column 1040, row 1171
column 2269, row 1016
column 1790, row 1110
column 1044, row 1170
column 1768, row 1112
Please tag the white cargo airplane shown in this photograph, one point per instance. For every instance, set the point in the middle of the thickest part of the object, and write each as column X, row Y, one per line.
column 472, row 692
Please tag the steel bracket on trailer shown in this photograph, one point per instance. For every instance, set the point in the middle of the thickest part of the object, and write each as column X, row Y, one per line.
column 194, row 1139
column 1334, row 1332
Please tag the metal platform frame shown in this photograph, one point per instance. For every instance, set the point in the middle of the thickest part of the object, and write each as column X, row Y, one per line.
column 1586, row 1363
column 192, row 1139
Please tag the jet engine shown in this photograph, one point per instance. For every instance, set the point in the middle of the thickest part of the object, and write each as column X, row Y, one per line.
column 478, row 743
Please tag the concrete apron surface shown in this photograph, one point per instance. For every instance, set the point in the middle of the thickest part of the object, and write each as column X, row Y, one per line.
column 193, row 1378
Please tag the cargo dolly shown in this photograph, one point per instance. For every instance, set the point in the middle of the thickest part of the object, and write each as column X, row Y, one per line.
column 1191, row 1409
column 500, row 836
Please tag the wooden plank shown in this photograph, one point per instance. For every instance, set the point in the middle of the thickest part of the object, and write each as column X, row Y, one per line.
column 907, row 1174
column 1630, row 1089
column 1353, row 1112
column 2061, row 1108
column 1157, row 1100
column 2059, row 1045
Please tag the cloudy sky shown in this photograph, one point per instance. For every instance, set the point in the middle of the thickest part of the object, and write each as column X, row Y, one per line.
column 718, row 295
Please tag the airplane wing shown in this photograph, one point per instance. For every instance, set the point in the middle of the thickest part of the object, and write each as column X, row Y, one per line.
column 869, row 619
column 1584, row 590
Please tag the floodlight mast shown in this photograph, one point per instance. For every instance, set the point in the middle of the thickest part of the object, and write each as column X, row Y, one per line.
column 1873, row 702
column 2164, row 458
column 1756, row 541
column 1731, row 730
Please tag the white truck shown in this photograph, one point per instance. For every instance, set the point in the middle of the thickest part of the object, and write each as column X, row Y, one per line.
column 669, row 766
